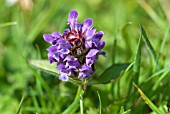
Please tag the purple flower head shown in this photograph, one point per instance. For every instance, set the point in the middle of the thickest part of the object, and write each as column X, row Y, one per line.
column 75, row 50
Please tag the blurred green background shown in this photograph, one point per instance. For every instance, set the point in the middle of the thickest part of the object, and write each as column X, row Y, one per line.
column 22, row 24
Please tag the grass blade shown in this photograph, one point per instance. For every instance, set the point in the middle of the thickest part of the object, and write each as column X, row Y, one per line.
column 20, row 104
column 157, row 83
column 147, row 101
column 100, row 106
column 8, row 24
column 148, row 45
column 137, row 60
column 165, row 39
column 157, row 74
column 35, row 100
column 126, row 37
column 74, row 104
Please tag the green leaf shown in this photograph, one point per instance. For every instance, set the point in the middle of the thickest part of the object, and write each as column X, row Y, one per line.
column 44, row 65
column 109, row 74
column 137, row 61
column 148, row 101
column 148, row 45
column 74, row 104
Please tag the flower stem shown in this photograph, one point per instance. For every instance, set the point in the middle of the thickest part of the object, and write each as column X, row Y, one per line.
column 80, row 92
column 81, row 104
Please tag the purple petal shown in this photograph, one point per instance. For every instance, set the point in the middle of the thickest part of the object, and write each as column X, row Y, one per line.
column 69, row 58
column 61, row 41
column 92, row 53
column 61, row 67
column 101, row 44
column 71, row 68
column 51, row 59
column 73, row 63
column 86, row 68
column 66, row 31
column 78, row 26
column 85, row 71
column 63, row 77
column 64, row 51
column 72, row 16
column 57, row 56
column 88, row 44
column 84, row 75
column 72, row 19
column 96, row 40
column 90, row 33
column 50, row 54
column 54, row 42
column 48, row 38
column 52, row 49
column 90, row 61
column 102, row 53
column 68, row 46
column 63, row 44
column 99, row 35
column 80, row 75
column 87, row 24
column 56, row 34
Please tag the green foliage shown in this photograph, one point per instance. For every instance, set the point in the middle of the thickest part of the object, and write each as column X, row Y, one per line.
column 146, row 46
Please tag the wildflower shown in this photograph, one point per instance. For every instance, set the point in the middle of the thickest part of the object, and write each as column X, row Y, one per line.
column 75, row 50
